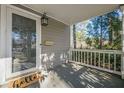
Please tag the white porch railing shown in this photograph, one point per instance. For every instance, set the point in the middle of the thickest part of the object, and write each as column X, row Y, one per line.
column 106, row 60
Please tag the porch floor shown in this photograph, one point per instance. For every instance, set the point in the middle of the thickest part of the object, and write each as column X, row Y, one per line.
column 79, row 76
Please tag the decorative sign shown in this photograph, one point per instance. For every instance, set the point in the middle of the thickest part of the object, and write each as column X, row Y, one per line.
column 25, row 81
column 48, row 43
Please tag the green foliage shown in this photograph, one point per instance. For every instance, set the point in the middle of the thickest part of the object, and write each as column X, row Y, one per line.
column 102, row 29
column 88, row 41
column 80, row 36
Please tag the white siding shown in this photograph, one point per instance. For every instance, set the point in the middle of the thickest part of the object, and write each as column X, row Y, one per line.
column 59, row 33
column 56, row 31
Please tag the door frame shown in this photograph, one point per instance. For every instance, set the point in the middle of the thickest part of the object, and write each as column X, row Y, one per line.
column 13, row 9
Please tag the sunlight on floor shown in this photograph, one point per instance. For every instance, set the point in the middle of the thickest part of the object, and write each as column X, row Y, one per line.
column 53, row 80
column 73, row 75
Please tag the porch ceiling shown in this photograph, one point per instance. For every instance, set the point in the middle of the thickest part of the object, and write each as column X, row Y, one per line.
column 72, row 13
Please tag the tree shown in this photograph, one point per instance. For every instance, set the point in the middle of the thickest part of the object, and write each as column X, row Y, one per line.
column 105, row 27
column 80, row 36
column 97, row 28
column 88, row 41
column 115, row 25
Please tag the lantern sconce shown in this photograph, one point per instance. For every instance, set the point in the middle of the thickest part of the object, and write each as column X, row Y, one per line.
column 44, row 20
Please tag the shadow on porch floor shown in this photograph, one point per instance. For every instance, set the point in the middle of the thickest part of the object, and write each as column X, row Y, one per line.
column 78, row 76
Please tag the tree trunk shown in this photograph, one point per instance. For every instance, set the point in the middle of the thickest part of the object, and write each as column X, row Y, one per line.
column 74, row 36
column 101, row 33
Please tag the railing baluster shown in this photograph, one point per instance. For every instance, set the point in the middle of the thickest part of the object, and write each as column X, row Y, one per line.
column 103, row 60
column 109, row 60
column 114, row 62
column 99, row 60
column 95, row 58
column 78, row 56
column 91, row 58
column 75, row 55
column 84, row 57
column 81, row 56
column 70, row 55
column 87, row 57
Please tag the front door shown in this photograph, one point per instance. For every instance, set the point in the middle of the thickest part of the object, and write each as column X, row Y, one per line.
column 23, row 42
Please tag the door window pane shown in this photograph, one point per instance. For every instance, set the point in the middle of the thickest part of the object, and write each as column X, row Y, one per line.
column 23, row 43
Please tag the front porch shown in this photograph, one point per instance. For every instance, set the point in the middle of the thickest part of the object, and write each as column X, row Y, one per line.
column 52, row 50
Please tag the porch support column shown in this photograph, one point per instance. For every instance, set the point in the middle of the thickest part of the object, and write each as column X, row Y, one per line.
column 122, row 62
column 2, row 43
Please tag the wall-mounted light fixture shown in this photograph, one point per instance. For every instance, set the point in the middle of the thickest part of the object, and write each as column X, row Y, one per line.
column 44, row 20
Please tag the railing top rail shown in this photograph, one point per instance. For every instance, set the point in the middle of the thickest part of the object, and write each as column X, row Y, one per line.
column 98, row 50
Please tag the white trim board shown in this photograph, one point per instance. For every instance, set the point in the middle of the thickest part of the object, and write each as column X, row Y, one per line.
column 23, row 10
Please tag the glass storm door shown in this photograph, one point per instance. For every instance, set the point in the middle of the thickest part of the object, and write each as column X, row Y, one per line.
column 24, row 40
column 23, row 43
